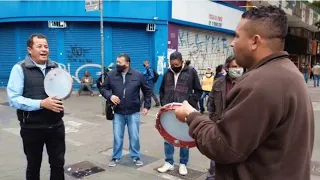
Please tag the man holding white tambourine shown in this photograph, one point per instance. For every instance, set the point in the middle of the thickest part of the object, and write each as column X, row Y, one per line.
column 267, row 129
column 40, row 116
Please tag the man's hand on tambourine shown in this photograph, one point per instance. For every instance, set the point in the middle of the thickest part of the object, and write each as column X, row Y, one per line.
column 52, row 104
column 183, row 111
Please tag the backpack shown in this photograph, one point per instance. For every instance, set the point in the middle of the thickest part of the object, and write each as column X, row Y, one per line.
column 155, row 76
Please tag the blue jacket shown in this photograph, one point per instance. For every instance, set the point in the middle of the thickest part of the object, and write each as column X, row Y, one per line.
column 128, row 92
column 149, row 75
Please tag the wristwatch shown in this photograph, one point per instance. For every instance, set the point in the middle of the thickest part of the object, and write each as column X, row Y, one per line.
column 186, row 118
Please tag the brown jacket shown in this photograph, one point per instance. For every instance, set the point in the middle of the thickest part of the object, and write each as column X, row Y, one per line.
column 217, row 98
column 267, row 130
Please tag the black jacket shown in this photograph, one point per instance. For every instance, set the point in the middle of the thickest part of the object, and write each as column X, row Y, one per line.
column 128, row 92
column 187, row 88
column 34, row 89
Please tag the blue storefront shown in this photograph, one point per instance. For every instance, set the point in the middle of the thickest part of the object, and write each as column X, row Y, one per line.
column 75, row 45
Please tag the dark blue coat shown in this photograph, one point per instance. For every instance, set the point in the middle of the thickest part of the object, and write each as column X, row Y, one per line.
column 128, row 92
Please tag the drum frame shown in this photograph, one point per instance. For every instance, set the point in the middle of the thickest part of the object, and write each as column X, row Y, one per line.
column 72, row 82
column 175, row 142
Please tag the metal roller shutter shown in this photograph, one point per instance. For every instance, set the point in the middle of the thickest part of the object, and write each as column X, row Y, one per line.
column 82, row 50
column 7, row 52
column 133, row 40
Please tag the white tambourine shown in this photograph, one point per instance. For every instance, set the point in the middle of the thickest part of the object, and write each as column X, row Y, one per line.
column 171, row 129
column 58, row 83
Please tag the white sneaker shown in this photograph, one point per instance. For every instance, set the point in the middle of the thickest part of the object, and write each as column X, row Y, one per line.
column 166, row 167
column 183, row 170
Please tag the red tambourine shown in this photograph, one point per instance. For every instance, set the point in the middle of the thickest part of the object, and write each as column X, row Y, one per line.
column 171, row 129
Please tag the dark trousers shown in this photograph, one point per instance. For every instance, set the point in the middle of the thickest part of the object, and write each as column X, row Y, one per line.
column 85, row 87
column 33, row 142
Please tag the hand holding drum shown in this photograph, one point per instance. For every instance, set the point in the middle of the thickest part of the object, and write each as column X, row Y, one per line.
column 58, row 85
column 173, row 130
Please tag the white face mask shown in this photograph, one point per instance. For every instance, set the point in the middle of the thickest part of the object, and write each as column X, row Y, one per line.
column 235, row 72
column 208, row 75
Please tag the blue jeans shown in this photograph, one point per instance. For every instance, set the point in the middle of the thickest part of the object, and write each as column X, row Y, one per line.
column 204, row 95
column 306, row 77
column 169, row 151
column 119, row 124
column 316, row 79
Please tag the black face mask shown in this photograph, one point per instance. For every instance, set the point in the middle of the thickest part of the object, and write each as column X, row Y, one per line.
column 121, row 68
column 176, row 69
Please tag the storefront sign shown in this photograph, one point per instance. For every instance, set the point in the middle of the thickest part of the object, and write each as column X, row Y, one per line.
column 215, row 20
column 206, row 12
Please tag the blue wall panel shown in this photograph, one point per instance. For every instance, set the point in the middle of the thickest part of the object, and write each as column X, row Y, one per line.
column 129, row 11
column 136, row 42
column 82, row 50
column 160, row 42
column 7, row 52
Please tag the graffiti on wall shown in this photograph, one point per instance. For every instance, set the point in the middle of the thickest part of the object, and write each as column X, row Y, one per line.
column 76, row 75
column 78, row 59
column 78, row 54
column 204, row 49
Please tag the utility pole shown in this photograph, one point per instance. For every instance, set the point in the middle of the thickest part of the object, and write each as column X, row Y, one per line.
column 95, row 5
column 102, row 53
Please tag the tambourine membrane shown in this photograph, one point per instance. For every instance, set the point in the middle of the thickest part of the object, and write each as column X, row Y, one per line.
column 174, row 127
column 171, row 129
column 58, row 83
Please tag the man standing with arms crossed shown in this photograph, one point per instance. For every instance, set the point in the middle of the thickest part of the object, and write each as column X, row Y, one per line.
column 40, row 116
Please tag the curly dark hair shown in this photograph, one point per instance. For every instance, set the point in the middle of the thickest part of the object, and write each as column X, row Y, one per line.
column 269, row 21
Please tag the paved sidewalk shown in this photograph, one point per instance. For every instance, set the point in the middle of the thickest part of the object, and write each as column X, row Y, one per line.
column 89, row 140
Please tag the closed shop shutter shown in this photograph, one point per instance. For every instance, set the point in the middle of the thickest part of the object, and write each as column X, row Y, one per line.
column 133, row 40
column 204, row 48
column 82, row 50
column 26, row 29
column 7, row 52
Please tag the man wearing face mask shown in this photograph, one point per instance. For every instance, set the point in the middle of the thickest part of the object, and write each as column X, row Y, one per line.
column 122, row 87
column 206, row 83
column 179, row 83
column 217, row 97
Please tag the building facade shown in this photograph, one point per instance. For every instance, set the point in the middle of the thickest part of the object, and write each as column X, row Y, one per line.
column 201, row 30
column 302, row 39
column 74, row 34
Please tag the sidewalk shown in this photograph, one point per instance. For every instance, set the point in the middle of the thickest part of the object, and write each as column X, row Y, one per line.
column 89, row 141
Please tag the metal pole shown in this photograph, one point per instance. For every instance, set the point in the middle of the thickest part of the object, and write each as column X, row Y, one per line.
column 102, row 52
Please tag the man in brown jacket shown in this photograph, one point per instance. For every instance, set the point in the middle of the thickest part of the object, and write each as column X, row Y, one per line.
column 267, row 130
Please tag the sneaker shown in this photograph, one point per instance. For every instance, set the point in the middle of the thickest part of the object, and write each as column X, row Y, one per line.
column 113, row 162
column 183, row 170
column 138, row 162
column 166, row 167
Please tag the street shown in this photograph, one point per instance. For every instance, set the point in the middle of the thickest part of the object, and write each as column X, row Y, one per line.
column 89, row 145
